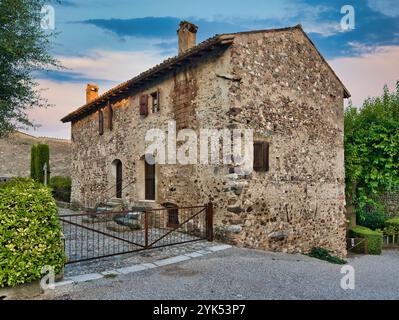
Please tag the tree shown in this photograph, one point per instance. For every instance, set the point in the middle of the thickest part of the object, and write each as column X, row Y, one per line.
column 24, row 50
column 40, row 155
column 372, row 149
column 33, row 173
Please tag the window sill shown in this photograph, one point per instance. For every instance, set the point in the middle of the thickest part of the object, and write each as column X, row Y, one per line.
column 149, row 201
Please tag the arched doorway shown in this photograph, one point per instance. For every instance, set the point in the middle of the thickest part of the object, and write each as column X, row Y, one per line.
column 117, row 164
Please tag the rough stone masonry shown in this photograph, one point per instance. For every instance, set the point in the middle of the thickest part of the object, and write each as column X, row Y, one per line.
column 272, row 81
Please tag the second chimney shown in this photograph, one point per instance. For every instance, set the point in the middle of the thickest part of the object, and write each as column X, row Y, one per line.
column 187, row 36
column 91, row 92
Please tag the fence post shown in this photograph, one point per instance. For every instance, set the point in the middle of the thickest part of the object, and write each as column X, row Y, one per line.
column 209, row 221
column 146, row 229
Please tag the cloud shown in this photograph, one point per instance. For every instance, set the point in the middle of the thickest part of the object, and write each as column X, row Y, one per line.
column 365, row 75
column 389, row 8
column 66, row 90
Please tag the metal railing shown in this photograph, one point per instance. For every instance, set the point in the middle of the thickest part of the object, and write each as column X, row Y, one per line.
column 89, row 236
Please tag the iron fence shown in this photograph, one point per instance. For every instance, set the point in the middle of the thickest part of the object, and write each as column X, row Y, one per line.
column 89, row 236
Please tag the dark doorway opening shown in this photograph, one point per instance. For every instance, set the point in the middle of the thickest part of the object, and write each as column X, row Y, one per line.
column 173, row 215
column 118, row 166
column 149, row 181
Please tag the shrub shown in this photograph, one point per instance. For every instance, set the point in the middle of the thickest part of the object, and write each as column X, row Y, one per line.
column 40, row 154
column 61, row 188
column 392, row 226
column 325, row 255
column 373, row 220
column 374, row 239
column 30, row 232
column 33, row 174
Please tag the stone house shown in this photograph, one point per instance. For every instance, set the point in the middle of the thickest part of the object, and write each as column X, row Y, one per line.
column 272, row 81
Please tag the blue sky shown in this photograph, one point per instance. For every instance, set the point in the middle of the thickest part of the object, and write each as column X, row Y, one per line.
column 107, row 42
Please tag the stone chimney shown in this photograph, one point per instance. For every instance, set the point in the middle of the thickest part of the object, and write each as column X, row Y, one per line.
column 187, row 36
column 91, row 92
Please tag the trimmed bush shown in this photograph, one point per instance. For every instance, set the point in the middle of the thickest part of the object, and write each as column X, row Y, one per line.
column 61, row 188
column 30, row 232
column 392, row 226
column 373, row 220
column 374, row 240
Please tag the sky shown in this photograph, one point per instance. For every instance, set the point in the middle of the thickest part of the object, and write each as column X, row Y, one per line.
column 108, row 42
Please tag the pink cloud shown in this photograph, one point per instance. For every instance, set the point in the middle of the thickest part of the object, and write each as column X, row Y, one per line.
column 366, row 75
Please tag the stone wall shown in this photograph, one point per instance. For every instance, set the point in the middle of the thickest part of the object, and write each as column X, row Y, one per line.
column 272, row 82
column 197, row 87
column 290, row 97
column 15, row 153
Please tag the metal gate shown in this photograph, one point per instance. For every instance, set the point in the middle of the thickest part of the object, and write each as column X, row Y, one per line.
column 89, row 236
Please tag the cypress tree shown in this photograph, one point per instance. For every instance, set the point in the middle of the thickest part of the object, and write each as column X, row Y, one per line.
column 33, row 162
column 42, row 157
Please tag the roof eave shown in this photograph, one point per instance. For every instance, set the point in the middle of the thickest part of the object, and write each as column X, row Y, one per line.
column 148, row 75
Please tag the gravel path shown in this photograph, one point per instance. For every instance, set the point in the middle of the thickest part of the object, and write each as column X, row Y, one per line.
column 248, row 274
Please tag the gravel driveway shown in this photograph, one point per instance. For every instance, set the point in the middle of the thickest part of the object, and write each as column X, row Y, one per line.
column 238, row 273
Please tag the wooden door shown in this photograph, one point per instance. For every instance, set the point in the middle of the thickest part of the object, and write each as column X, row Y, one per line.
column 149, row 181
column 119, row 179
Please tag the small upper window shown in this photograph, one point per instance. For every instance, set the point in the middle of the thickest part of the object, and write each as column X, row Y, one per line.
column 100, row 123
column 155, row 101
column 261, row 156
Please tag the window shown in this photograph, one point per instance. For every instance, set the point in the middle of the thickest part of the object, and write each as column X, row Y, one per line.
column 149, row 181
column 144, row 105
column 155, row 101
column 100, row 123
column 261, row 156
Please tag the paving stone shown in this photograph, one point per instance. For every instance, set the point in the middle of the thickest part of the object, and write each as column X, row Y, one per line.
column 131, row 269
column 110, row 272
column 148, row 265
column 64, row 282
column 219, row 248
column 194, row 254
column 86, row 277
column 172, row 260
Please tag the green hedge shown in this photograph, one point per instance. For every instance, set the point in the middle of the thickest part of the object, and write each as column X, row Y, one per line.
column 392, row 226
column 374, row 239
column 30, row 232
column 61, row 188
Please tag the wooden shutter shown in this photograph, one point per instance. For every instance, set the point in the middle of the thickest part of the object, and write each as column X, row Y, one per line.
column 149, row 181
column 158, row 101
column 261, row 156
column 110, row 116
column 100, row 123
column 144, row 105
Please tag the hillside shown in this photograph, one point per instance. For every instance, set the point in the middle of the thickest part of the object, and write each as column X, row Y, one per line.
column 15, row 155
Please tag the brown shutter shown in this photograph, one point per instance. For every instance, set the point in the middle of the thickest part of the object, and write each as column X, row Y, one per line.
column 258, row 156
column 100, row 123
column 144, row 105
column 261, row 156
column 110, row 116
column 158, row 100
column 266, row 156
